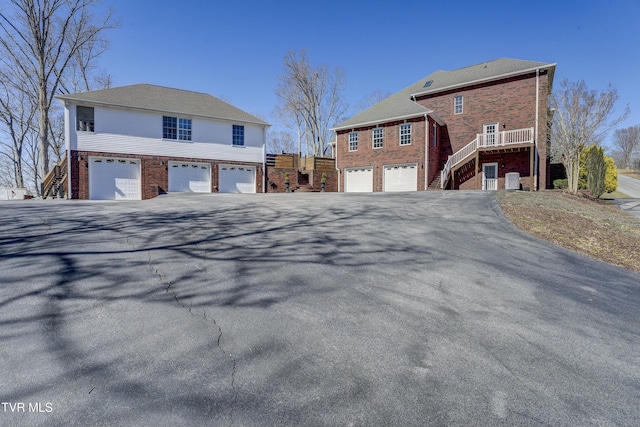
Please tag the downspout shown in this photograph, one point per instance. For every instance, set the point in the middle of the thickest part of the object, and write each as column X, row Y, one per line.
column 535, row 145
column 427, row 129
column 337, row 168
column 264, row 159
column 67, row 138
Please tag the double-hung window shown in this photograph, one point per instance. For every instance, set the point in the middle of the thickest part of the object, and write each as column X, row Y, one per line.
column 457, row 104
column 405, row 134
column 84, row 118
column 353, row 141
column 176, row 128
column 184, row 129
column 378, row 141
column 238, row 135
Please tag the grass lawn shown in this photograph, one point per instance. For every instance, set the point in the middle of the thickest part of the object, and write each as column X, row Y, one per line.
column 595, row 228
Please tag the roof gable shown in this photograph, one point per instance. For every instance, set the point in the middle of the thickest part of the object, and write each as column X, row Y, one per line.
column 165, row 100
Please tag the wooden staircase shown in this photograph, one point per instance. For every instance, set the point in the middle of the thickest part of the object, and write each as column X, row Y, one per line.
column 54, row 185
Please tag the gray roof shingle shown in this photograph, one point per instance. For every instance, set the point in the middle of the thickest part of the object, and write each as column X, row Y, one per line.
column 400, row 104
column 166, row 100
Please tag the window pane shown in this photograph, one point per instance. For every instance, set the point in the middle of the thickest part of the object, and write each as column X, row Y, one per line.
column 405, row 134
column 457, row 104
column 377, row 138
column 184, row 129
column 238, row 135
column 169, row 127
column 353, row 141
column 84, row 119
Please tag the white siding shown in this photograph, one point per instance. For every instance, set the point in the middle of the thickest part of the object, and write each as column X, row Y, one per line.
column 134, row 132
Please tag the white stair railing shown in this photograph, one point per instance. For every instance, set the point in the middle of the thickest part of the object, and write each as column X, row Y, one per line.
column 456, row 158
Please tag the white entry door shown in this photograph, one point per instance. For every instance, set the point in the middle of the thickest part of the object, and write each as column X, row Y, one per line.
column 489, row 176
column 490, row 133
column 358, row 180
column 237, row 179
column 189, row 177
column 401, row 177
column 114, row 179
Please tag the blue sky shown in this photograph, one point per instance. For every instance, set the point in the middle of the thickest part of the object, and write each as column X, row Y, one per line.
column 234, row 49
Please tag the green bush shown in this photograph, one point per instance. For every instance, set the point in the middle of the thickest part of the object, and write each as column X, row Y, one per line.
column 560, row 183
column 596, row 168
column 610, row 176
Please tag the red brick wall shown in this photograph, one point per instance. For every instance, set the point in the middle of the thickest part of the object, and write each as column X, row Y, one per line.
column 154, row 169
column 391, row 153
column 507, row 162
column 315, row 179
column 276, row 176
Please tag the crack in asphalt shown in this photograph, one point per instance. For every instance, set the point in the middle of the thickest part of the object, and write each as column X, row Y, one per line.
column 163, row 279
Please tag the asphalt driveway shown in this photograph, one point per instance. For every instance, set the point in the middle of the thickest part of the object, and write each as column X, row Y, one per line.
column 307, row 309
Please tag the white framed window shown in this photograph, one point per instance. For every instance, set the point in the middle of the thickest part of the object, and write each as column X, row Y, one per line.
column 405, row 134
column 84, row 118
column 176, row 128
column 353, row 141
column 378, row 138
column 458, row 104
column 238, row 135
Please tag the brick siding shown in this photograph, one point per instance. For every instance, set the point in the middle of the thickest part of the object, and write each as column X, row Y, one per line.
column 154, row 172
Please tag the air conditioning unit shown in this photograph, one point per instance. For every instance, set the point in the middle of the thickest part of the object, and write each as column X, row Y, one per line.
column 512, row 181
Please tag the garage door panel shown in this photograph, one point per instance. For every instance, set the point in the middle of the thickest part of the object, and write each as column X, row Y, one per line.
column 114, row 179
column 359, row 180
column 401, row 177
column 237, row 179
column 189, row 177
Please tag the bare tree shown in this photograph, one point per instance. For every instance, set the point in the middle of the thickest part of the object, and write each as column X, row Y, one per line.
column 311, row 97
column 372, row 99
column 39, row 40
column 581, row 118
column 16, row 117
column 626, row 142
column 280, row 142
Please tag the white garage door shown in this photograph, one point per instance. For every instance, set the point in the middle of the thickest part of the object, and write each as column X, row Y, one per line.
column 401, row 177
column 237, row 179
column 114, row 179
column 358, row 180
column 190, row 177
